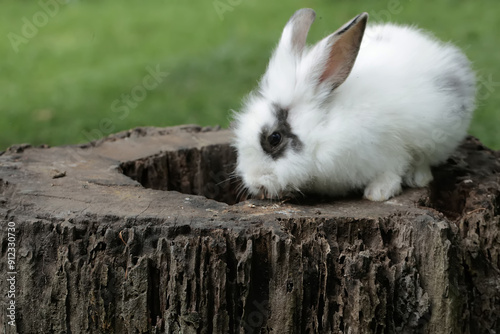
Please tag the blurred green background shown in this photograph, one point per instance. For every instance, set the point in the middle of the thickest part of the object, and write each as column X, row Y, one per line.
column 73, row 71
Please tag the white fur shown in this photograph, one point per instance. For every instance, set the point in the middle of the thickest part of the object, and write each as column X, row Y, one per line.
column 405, row 106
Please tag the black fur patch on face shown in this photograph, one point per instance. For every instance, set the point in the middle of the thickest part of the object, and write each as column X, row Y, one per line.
column 276, row 138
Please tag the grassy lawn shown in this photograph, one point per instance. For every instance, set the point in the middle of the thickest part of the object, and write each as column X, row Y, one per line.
column 76, row 71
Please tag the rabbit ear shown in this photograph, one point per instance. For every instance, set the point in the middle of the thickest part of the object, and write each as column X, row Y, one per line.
column 293, row 38
column 341, row 51
column 278, row 82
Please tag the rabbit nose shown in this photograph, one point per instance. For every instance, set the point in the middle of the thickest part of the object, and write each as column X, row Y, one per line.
column 261, row 194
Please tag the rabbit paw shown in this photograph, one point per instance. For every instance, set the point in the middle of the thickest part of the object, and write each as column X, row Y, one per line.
column 420, row 176
column 383, row 187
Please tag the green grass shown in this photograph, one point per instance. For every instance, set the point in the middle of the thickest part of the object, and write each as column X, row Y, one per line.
column 61, row 86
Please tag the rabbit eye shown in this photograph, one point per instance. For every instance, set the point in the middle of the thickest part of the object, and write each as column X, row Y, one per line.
column 274, row 139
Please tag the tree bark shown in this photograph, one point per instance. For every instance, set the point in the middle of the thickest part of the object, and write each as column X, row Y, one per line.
column 142, row 232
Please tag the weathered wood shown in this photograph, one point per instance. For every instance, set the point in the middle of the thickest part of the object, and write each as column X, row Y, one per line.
column 96, row 252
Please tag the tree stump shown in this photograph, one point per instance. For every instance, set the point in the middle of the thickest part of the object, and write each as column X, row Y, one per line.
column 142, row 232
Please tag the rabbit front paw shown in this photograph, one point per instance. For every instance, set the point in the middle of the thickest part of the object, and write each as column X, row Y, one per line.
column 418, row 177
column 383, row 187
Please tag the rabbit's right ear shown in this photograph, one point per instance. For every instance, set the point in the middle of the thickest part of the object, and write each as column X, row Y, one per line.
column 338, row 52
column 293, row 38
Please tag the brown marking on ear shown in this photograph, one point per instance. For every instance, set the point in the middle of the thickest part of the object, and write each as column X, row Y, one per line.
column 344, row 47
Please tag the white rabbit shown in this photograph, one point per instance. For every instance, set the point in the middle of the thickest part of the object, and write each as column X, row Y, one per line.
column 330, row 120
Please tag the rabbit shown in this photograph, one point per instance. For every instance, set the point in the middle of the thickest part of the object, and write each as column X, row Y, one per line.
column 367, row 110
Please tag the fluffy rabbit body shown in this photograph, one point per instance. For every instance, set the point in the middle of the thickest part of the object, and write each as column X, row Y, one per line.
column 363, row 109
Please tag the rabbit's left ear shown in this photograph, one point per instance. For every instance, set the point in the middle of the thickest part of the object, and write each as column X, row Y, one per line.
column 340, row 51
column 278, row 83
column 293, row 38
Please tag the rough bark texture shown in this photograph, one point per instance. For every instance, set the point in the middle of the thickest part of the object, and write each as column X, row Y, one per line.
column 98, row 251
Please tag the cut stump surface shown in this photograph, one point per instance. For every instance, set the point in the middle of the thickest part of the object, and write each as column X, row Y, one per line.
column 142, row 232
